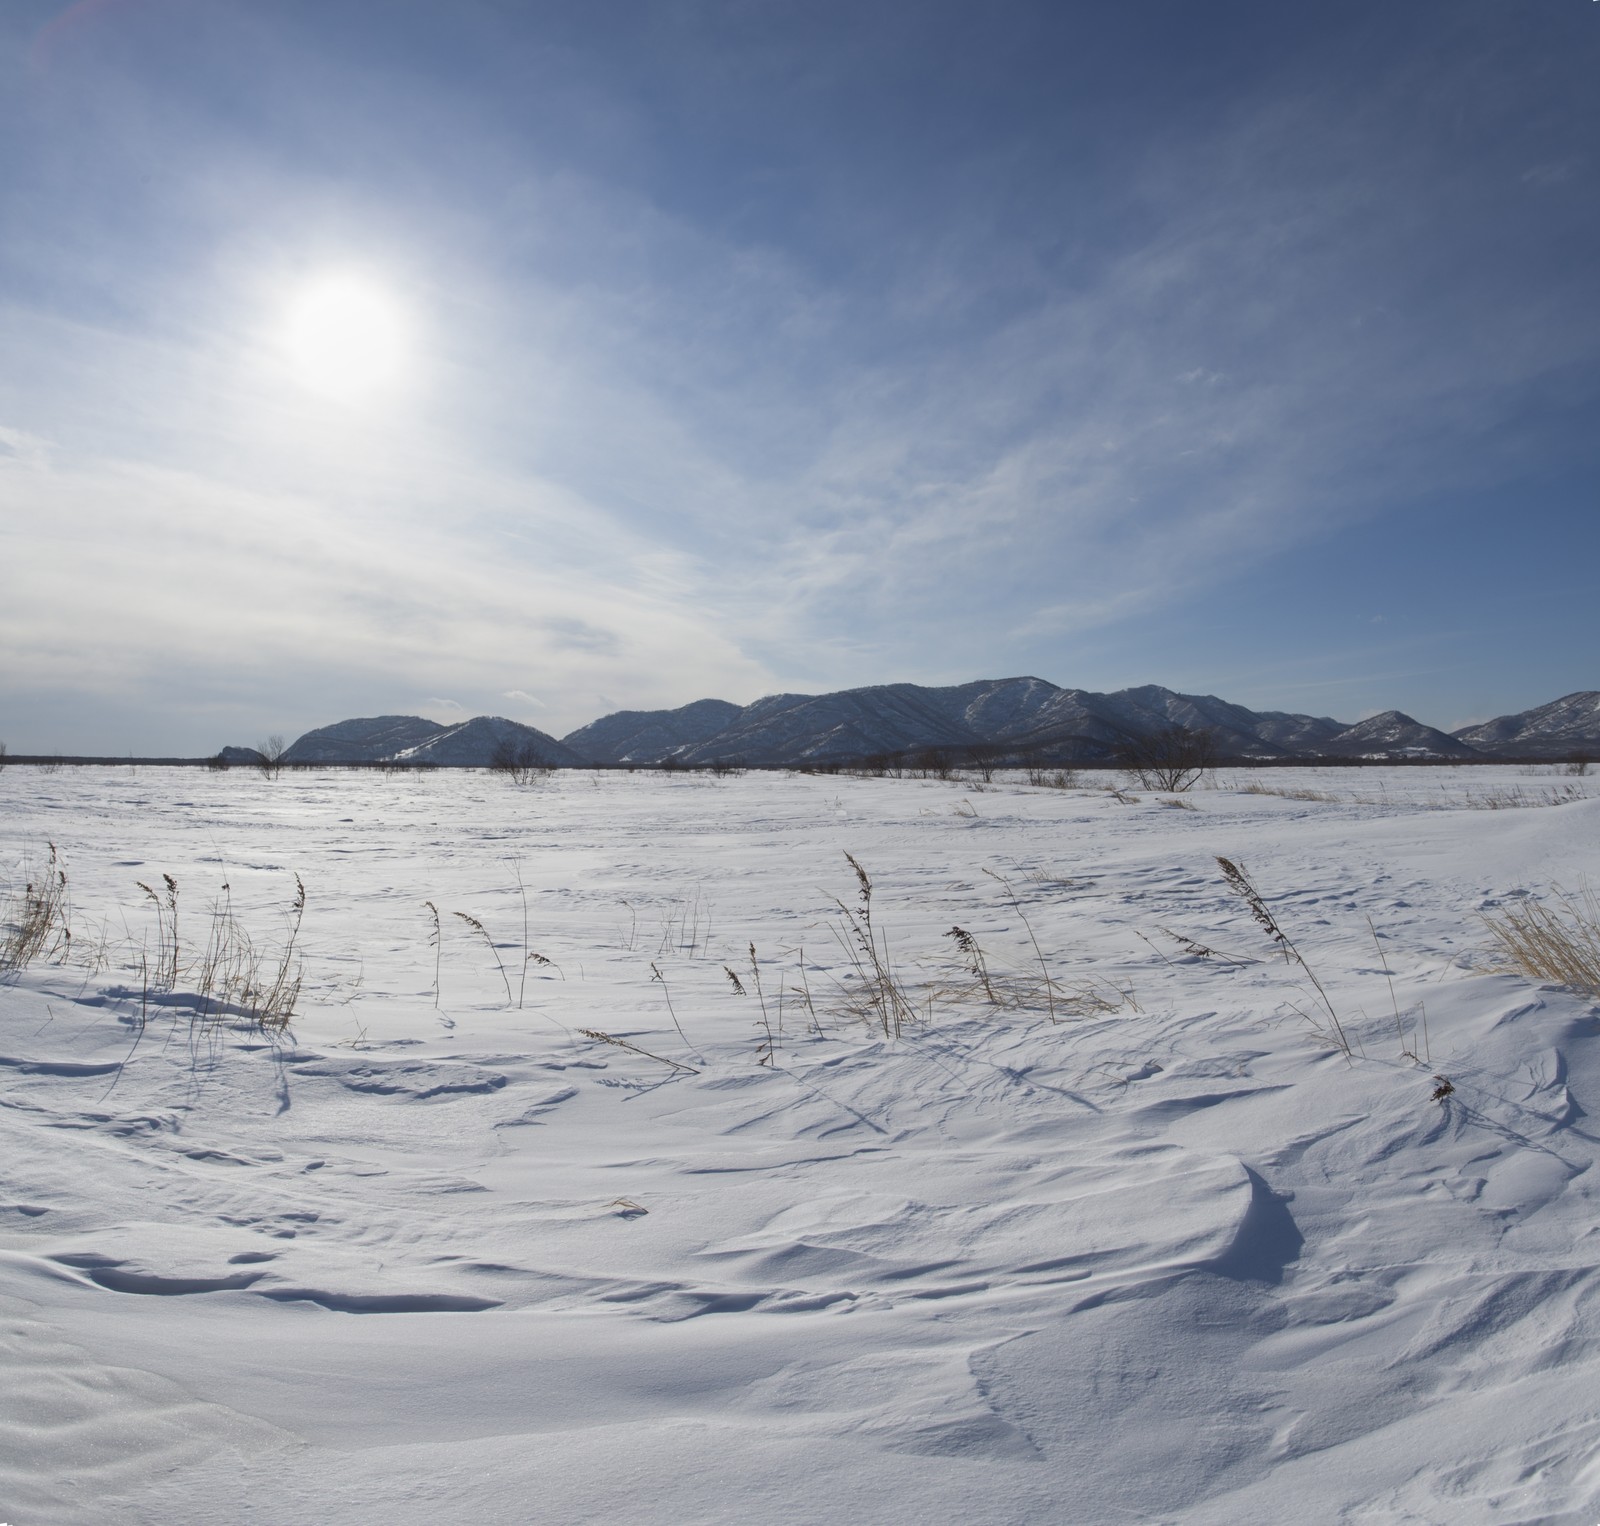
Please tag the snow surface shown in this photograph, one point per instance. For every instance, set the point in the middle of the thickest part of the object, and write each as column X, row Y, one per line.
column 1179, row 1261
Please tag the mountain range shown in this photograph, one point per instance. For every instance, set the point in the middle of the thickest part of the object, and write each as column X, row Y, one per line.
column 1019, row 719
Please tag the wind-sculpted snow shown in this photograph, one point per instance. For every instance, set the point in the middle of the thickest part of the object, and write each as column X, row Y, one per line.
column 436, row 1253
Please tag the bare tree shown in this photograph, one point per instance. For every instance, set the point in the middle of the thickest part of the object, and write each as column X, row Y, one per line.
column 270, row 753
column 935, row 762
column 1171, row 758
column 522, row 764
column 985, row 759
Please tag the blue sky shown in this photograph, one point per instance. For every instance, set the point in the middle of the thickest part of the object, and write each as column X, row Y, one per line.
column 726, row 348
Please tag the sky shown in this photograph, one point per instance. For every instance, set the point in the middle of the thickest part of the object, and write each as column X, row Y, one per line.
column 368, row 357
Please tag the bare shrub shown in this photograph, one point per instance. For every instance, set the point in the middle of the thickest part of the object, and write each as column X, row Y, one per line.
column 985, row 760
column 1171, row 758
column 270, row 756
column 520, row 762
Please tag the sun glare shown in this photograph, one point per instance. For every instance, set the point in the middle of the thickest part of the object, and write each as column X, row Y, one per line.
column 346, row 338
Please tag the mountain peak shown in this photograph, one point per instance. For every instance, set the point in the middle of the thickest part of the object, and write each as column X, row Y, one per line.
column 1020, row 717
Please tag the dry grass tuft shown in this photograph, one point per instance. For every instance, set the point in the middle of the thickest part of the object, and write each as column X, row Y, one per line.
column 1516, row 798
column 977, row 966
column 166, row 972
column 1558, row 943
column 612, row 1039
column 874, row 993
column 1333, row 1030
column 1255, row 787
column 235, row 976
column 499, row 964
column 36, row 922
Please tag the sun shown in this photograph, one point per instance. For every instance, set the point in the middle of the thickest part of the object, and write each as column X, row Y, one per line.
column 346, row 337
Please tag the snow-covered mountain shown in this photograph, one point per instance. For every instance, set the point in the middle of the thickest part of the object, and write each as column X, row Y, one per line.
column 647, row 736
column 366, row 740
column 1078, row 722
column 1564, row 726
column 1019, row 717
column 1022, row 716
column 411, row 739
column 856, row 723
column 475, row 744
column 1393, row 734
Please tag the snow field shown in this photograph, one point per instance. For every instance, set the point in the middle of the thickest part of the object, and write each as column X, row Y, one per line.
column 1170, row 1258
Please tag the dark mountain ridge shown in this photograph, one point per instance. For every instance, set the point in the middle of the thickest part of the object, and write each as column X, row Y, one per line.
column 1007, row 719
column 1566, row 725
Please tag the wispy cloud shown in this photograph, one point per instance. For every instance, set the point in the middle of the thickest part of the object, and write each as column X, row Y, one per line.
column 923, row 412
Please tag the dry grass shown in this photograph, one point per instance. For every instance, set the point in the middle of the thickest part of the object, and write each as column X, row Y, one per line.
column 1016, row 906
column 166, row 907
column 767, row 1047
column 436, row 943
column 977, row 966
column 237, row 977
column 1556, row 941
column 1516, row 798
column 36, row 922
column 1333, row 1031
column 483, row 932
column 874, row 991
column 1257, row 788
column 871, row 991
column 612, row 1039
